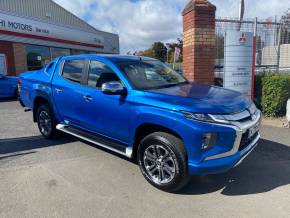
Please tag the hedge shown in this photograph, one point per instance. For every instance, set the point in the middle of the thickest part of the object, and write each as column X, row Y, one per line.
column 272, row 92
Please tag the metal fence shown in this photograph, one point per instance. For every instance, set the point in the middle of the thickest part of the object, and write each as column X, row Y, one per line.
column 273, row 42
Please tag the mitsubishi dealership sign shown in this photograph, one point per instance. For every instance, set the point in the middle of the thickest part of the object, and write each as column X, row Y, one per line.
column 239, row 61
column 20, row 28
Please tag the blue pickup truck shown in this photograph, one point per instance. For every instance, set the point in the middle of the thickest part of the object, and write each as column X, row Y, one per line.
column 141, row 108
column 8, row 86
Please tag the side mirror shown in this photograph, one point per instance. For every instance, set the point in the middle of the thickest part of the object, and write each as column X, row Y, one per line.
column 113, row 88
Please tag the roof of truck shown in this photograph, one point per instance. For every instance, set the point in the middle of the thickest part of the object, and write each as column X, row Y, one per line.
column 116, row 58
column 126, row 57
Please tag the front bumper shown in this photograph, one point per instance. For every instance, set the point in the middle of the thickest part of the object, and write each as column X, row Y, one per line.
column 225, row 161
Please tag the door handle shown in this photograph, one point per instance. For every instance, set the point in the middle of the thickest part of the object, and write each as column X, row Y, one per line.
column 58, row 90
column 88, row 98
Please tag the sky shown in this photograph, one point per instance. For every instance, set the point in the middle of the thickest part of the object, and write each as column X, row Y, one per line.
column 140, row 23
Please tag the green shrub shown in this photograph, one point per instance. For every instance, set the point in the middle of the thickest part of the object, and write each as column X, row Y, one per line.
column 275, row 93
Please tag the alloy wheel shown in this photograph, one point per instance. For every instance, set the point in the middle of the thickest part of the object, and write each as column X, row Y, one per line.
column 45, row 123
column 159, row 164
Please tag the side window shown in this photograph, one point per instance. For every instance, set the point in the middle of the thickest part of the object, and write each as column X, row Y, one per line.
column 99, row 74
column 72, row 70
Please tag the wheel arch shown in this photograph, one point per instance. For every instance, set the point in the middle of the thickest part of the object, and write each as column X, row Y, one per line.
column 40, row 99
column 145, row 129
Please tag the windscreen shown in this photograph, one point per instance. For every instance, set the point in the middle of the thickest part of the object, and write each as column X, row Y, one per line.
column 146, row 75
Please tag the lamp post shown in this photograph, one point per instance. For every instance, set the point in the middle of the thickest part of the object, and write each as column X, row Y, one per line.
column 241, row 14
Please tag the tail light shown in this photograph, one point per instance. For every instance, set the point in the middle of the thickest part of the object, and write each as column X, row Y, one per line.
column 19, row 86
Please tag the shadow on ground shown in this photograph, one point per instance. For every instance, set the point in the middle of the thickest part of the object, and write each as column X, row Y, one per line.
column 28, row 144
column 267, row 168
column 10, row 99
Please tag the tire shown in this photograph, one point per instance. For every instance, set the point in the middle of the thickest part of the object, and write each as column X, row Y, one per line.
column 46, row 122
column 166, row 170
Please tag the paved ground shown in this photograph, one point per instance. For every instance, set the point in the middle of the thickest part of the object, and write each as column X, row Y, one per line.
column 69, row 178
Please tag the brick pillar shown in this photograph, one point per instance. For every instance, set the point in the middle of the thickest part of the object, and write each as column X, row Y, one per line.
column 199, row 41
column 20, row 58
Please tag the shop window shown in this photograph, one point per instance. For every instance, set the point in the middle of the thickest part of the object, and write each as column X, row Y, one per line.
column 57, row 52
column 3, row 67
column 79, row 52
column 37, row 56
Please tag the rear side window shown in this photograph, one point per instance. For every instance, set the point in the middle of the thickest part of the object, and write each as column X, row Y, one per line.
column 99, row 74
column 72, row 70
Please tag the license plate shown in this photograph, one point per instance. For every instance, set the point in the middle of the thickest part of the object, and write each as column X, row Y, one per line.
column 253, row 130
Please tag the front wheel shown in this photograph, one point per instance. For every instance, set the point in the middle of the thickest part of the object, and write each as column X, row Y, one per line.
column 163, row 162
column 46, row 122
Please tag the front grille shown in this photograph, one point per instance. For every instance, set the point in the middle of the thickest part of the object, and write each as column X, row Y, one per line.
column 240, row 117
column 246, row 119
column 245, row 141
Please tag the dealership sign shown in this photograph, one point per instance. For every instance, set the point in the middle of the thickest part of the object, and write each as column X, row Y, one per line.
column 28, row 27
column 238, row 61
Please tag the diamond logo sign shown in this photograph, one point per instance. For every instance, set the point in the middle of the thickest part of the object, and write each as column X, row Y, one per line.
column 243, row 38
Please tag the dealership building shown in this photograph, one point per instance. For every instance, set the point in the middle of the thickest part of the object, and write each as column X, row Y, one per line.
column 33, row 32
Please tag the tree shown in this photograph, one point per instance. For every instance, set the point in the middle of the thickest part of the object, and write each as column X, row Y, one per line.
column 159, row 51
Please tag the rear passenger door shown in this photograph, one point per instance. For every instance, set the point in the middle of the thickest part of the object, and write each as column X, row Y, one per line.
column 67, row 90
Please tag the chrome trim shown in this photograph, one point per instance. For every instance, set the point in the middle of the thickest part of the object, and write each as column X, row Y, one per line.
column 253, row 145
column 128, row 153
column 113, row 87
column 231, row 117
column 240, row 129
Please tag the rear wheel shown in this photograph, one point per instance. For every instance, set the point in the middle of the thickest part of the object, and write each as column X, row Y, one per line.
column 162, row 161
column 46, row 122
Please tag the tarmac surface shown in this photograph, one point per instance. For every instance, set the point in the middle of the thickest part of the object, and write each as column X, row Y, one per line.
column 72, row 178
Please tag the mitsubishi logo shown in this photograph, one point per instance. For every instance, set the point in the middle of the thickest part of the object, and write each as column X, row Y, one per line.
column 243, row 38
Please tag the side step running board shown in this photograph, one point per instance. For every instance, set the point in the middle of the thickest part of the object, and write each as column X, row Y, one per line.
column 126, row 151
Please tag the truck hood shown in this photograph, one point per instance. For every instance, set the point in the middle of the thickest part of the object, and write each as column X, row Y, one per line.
column 199, row 98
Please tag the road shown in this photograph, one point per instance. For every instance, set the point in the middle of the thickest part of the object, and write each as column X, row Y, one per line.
column 72, row 178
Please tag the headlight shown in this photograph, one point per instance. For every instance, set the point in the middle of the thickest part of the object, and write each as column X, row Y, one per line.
column 253, row 109
column 200, row 117
column 205, row 117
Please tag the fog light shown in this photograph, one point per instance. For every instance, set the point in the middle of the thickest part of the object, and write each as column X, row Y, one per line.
column 208, row 140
